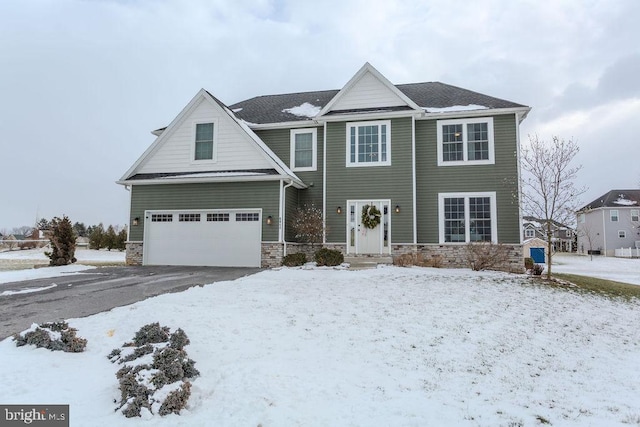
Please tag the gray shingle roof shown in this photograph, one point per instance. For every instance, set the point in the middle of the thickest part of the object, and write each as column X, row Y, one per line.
column 269, row 108
column 616, row 199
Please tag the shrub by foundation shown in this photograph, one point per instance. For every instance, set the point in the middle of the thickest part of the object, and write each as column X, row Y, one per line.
column 328, row 257
column 294, row 260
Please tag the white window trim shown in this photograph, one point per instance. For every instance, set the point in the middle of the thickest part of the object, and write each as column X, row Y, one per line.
column 314, row 145
column 611, row 215
column 357, row 164
column 214, row 157
column 464, row 123
column 494, row 216
column 529, row 233
column 622, row 234
column 634, row 213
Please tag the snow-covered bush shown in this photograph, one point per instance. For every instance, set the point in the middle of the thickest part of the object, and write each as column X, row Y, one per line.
column 53, row 336
column 155, row 372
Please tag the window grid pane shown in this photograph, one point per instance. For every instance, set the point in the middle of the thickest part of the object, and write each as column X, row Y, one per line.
column 243, row 217
column 454, row 229
column 161, row 217
column 353, row 144
column 480, row 219
column 217, row 217
column 189, row 217
column 368, row 144
column 452, row 143
column 478, row 141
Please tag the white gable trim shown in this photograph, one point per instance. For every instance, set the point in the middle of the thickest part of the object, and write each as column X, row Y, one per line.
column 368, row 68
column 204, row 96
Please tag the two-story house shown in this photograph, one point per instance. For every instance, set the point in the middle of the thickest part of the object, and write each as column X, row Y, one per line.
column 438, row 163
column 562, row 236
column 609, row 223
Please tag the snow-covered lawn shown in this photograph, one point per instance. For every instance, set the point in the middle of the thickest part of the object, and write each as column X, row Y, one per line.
column 389, row 346
column 619, row 269
column 20, row 263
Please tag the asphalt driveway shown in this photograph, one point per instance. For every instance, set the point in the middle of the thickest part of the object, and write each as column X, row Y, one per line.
column 97, row 290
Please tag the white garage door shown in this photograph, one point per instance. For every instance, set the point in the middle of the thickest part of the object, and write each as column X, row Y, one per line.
column 229, row 238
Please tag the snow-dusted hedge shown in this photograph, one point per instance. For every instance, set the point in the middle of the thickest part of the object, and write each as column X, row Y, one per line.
column 155, row 372
column 56, row 336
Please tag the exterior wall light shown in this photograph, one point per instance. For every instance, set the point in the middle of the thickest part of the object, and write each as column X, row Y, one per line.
column 136, row 221
column 269, row 220
column 339, row 210
column 397, row 208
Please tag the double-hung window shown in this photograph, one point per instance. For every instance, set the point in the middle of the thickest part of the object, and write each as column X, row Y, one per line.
column 304, row 149
column 204, row 142
column 635, row 215
column 369, row 143
column 465, row 141
column 613, row 215
column 467, row 217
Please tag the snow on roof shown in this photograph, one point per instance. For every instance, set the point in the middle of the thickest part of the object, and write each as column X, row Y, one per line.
column 469, row 107
column 237, row 110
column 625, row 202
column 304, row 110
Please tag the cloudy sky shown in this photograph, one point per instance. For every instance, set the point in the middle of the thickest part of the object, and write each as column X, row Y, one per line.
column 83, row 82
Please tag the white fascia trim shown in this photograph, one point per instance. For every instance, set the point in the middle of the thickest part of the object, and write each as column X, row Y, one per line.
column 179, row 180
column 520, row 111
column 377, row 115
column 284, row 125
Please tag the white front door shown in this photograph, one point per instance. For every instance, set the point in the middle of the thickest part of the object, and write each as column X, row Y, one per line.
column 372, row 238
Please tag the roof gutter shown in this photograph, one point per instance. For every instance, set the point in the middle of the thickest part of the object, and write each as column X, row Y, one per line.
column 298, row 184
column 520, row 112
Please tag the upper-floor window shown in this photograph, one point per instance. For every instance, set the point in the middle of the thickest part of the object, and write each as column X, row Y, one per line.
column 465, row 141
column 635, row 215
column 613, row 214
column 467, row 217
column 529, row 232
column 204, row 144
column 369, row 143
column 304, row 149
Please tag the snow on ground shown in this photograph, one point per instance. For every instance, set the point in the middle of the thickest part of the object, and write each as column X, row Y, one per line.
column 619, row 269
column 388, row 346
column 20, row 263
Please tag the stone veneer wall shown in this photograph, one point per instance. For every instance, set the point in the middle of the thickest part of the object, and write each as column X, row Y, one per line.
column 134, row 253
column 450, row 256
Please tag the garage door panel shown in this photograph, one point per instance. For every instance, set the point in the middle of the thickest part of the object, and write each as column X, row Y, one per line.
column 216, row 239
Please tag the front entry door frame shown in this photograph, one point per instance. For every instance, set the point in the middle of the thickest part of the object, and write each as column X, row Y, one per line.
column 359, row 237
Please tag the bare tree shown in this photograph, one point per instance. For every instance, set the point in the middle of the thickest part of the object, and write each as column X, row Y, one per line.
column 548, row 190
column 307, row 224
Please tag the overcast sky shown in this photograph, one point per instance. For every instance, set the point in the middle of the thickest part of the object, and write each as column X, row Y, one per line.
column 83, row 82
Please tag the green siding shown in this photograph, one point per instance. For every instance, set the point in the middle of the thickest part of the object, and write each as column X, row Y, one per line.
column 392, row 182
column 279, row 141
column 291, row 203
column 232, row 195
column 500, row 177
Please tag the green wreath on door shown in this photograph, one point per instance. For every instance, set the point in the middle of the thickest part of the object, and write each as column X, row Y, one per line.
column 371, row 216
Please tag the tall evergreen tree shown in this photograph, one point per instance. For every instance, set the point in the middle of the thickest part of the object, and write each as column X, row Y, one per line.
column 96, row 237
column 109, row 239
column 63, row 242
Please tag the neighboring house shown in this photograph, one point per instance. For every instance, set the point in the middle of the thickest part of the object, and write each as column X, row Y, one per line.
column 220, row 183
column 610, row 222
column 563, row 237
column 539, row 247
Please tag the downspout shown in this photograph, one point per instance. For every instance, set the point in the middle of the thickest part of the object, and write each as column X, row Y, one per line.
column 519, row 183
column 324, row 184
column 604, row 233
column 415, row 203
column 281, row 237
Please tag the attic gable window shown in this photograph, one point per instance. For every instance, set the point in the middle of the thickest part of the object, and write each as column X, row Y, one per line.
column 204, row 142
column 369, row 143
column 465, row 142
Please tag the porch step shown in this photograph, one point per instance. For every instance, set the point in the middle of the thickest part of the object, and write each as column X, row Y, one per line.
column 361, row 262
